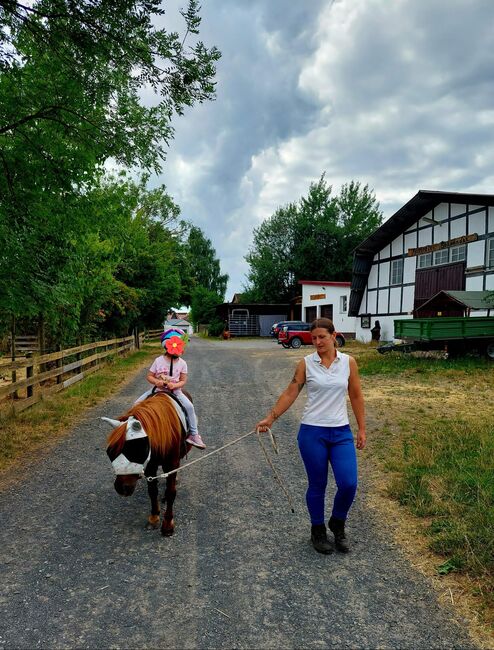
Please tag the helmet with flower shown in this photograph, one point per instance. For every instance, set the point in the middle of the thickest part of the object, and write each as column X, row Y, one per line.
column 174, row 341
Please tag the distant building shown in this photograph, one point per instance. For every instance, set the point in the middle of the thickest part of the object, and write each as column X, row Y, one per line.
column 438, row 241
column 326, row 299
column 179, row 322
column 251, row 319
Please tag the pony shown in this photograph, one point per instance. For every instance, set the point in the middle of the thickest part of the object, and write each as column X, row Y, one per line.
column 150, row 434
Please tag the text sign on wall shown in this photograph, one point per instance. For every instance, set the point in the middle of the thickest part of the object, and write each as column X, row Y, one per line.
column 318, row 296
column 457, row 241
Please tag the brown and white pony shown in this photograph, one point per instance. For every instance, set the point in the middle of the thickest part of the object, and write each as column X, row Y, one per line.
column 149, row 435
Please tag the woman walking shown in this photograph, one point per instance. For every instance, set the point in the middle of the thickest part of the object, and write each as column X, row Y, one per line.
column 325, row 436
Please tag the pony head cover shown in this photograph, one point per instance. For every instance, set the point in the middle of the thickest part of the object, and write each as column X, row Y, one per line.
column 174, row 341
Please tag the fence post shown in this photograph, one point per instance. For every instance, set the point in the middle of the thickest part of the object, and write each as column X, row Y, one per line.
column 12, row 344
column 29, row 373
column 59, row 364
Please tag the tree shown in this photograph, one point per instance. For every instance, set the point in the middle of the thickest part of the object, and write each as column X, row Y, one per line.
column 79, row 66
column 311, row 240
column 201, row 267
column 270, row 276
column 71, row 74
column 203, row 305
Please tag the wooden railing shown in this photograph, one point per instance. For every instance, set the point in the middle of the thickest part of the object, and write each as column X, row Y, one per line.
column 50, row 373
column 153, row 334
column 23, row 344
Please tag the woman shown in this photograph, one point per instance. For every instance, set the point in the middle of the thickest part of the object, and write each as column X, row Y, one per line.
column 325, row 436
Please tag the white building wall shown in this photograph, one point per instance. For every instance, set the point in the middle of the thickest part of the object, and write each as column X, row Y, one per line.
column 332, row 296
column 491, row 220
column 475, row 253
column 458, row 208
column 476, row 222
column 459, row 227
column 399, row 301
column 395, row 299
column 409, row 267
column 397, row 246
column 474, row 283
column 384, row 273
column 372, row 281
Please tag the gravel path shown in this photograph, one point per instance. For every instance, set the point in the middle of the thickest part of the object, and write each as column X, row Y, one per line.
column 78, row 569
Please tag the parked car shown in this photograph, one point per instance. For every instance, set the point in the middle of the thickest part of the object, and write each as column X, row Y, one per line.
column 276, row 327
column 293, row 336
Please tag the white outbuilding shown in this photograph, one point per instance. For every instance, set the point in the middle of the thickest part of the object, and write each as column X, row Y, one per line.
column 325, row 299
column 437, row 241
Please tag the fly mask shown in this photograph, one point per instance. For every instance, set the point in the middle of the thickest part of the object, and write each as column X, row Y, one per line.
column 136, row 451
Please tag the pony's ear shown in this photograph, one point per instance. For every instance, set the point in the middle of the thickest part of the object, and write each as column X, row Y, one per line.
column 114, row 423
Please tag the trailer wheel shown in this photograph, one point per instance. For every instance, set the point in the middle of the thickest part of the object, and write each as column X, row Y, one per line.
column 489, row 350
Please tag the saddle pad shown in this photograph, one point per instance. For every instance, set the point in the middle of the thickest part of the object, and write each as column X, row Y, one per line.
column 181, row 415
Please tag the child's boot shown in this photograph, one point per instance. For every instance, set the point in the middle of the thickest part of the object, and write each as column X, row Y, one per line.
column 195, row 440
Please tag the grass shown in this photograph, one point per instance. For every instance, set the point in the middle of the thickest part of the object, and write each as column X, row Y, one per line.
column 435, row 441
column 26, row 432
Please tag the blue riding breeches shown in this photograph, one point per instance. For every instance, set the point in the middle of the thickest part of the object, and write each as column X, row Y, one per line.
column 320, row 446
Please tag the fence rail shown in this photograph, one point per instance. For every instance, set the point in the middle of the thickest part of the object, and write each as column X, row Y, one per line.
column 153, row 334
column 50, row 373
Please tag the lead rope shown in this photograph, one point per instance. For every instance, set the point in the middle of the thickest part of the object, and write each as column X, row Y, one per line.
column 274, row 443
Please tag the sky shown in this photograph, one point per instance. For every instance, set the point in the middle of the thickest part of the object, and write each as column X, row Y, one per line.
column 396, row 94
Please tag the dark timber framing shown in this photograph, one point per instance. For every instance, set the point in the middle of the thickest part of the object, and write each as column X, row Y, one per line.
column 423, row 202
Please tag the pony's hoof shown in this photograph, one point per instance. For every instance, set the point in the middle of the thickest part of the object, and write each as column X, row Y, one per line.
column 167, row 532
column 152, row 524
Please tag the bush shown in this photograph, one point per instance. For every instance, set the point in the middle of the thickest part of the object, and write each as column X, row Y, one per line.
column 216, row 327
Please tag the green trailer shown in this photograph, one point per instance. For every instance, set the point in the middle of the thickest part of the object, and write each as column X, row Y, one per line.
column 457, row 335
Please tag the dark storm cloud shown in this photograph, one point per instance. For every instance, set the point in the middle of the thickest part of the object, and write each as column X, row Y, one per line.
column 394, row 94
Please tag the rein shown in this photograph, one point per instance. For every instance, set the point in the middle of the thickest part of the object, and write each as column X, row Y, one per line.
column 274, row 444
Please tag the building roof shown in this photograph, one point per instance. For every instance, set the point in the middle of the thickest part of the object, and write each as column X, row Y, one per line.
column 326, row 283
column 177, row 322
column 406, row 216
column 448, row 300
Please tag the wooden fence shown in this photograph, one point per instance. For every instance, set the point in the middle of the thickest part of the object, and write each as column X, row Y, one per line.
column 153, row 334
column 23, row 344
column 50, row 373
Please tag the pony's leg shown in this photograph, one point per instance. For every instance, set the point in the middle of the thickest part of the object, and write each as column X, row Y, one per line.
column 168, row 525
column 154, row 517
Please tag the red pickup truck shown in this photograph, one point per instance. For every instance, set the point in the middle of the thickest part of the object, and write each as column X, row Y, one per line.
column 291, row 336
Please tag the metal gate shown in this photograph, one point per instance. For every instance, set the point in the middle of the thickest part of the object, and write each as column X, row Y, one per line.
column 243, row 325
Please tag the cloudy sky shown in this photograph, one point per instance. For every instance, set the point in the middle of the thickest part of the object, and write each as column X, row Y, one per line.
column 398, row 94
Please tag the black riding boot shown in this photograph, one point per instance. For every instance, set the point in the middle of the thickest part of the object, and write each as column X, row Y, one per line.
column 320, row 540
column 337, row 527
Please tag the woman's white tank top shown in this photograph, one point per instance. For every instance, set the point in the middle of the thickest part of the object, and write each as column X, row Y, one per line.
column 326, row 391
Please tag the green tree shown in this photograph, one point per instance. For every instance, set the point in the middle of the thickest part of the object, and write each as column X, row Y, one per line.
column 203, row 305
column 270, row 275
column 79, row 66
column 71, row 76
column 201, row 268
column 311, row 240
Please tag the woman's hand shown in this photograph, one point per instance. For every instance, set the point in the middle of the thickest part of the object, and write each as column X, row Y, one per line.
column 361, row 439
column 265, row 424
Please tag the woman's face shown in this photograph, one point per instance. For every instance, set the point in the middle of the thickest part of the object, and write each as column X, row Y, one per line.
column 322, row 340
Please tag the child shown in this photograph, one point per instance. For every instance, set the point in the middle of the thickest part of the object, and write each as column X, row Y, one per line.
column 169, row 372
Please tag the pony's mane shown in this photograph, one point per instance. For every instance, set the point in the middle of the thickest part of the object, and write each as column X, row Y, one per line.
column 159, row 419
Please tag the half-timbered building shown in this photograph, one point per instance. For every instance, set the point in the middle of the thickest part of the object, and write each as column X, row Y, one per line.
column 437, row 241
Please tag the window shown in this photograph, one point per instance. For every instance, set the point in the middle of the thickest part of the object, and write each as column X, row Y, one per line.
column 458, row 253
column 397, row 271
column 490, row 253
column 442, row 256
column 425, row 260
column 343, row 304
